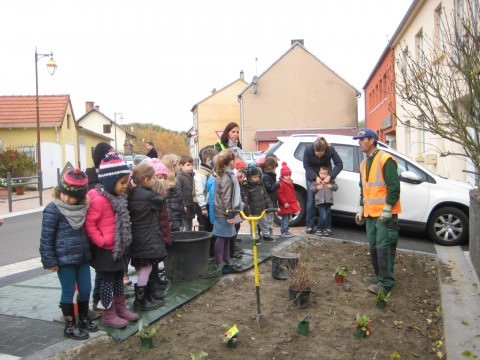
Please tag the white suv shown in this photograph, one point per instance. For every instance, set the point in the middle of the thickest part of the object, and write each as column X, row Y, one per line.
column 429, row 202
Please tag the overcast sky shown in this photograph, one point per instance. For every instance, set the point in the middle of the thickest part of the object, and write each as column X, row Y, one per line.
column 153, row 60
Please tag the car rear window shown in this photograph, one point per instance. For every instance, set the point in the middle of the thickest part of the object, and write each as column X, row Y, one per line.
column 346, row 153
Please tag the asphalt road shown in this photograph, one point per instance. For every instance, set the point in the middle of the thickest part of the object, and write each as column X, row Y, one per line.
column 20, row 236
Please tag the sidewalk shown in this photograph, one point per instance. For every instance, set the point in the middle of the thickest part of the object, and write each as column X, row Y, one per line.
column 25, row 204
column 22, row 337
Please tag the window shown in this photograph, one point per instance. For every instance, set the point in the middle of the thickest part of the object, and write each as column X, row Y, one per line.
column 69, row 119
column 421, row 134
column 346, row 153
column 404, row 165
column 419, row 54
column 107, row 128
column 408, row 138
column 438, row 28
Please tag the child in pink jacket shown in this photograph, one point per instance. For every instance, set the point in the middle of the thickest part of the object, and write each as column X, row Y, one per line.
column 108, row 226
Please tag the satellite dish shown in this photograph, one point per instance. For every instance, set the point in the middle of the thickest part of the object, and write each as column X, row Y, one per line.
column 255, row 79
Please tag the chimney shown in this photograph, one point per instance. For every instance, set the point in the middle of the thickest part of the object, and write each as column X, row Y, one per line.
column 89, row 105
column 241, row 74
column 214, row 91
column 97, row 107
column 295, row 41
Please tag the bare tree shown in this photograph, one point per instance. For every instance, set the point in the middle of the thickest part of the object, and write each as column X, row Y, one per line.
column 439, row 85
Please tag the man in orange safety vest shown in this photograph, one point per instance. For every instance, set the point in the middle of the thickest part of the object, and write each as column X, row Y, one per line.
column 379, row 207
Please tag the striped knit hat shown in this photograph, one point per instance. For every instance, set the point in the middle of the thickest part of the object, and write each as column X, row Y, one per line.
column 74, row 183
column 112, row 168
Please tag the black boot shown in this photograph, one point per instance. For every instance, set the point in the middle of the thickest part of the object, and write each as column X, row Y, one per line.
column 162, row 278
column 71, row 330
column 144, row 302
column 153, row 285
column 84, row 322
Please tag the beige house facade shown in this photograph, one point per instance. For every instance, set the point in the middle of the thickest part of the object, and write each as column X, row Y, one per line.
column 58, row 131
column 298, row 91
column 419, row 28
column 212, row 114
column 97, row 122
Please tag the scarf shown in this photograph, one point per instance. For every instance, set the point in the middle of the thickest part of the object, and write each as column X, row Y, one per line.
column 232, row 144
column 75, row 214
column 123, row 233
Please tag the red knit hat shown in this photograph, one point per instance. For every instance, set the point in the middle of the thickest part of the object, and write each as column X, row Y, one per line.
column 239, row 164
column 285, row 171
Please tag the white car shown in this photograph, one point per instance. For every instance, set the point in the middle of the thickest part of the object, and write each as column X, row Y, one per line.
column 430, row 203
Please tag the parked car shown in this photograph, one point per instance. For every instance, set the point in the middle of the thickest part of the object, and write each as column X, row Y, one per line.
column 128, row 159
column 430, row 203
column 251, row 157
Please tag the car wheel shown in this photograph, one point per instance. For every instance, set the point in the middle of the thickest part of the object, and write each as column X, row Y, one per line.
column 298, row 218
column 448, row 226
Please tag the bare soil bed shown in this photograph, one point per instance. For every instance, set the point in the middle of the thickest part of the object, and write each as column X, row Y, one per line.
column 410, row 326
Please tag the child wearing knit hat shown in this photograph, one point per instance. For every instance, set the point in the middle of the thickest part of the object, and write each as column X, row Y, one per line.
column 108, row 226
column 287, row 200
column 64, row 248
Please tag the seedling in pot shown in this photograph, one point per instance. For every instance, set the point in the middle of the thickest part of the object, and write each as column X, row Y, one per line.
column 363, row 326
column 340, row 274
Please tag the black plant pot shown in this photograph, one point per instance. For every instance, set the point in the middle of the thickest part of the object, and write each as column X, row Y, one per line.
column 301, row 298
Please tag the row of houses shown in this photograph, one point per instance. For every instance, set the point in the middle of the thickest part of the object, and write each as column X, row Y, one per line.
column 298, row 93
column 62, row 137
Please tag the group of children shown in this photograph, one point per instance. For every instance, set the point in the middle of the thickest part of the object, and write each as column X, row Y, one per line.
column 116, row 216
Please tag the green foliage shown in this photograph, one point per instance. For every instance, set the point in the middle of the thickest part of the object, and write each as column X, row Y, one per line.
column 147, row 332
column 341, row 271
column 381, row 297
column 17, row 163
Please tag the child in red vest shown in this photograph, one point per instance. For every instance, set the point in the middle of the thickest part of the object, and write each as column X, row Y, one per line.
column 287, row 200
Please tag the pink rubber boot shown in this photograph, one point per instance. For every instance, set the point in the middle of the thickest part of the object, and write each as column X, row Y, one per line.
column 110, row 318
column 121, row 309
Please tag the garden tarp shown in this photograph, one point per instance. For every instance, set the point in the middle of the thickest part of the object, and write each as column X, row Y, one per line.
column 38, row 298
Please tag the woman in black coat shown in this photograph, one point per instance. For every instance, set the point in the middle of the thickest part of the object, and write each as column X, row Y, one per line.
column 320, row 153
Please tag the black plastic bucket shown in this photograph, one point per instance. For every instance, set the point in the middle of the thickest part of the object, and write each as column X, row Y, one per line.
column 188, row 256
column 283, row 264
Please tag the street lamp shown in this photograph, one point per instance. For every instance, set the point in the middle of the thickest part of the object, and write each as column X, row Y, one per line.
column 120, row 117
column 51, row 67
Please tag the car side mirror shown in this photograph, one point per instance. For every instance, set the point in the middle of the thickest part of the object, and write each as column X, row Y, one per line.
column 410, row 177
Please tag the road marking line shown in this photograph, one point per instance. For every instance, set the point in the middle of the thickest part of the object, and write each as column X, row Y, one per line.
column 8, row 357
column 19, row 267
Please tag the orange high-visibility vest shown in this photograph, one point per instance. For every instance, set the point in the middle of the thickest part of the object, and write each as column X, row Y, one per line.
column 373, row 189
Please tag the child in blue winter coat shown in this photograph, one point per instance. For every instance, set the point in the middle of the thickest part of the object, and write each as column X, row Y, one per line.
column 64, row 248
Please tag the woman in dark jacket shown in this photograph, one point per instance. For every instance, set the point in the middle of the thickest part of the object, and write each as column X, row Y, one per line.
column 320, row 153
column 147, row 246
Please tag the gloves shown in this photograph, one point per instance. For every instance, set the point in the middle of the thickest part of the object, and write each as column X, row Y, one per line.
column 386, row 214
column 359, row 216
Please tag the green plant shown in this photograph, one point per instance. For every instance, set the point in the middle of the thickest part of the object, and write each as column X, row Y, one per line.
column 363, row 326
column 147, row 332
column 341, row 271
column 381, row 298
column 16, row 163
column 302, row 277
